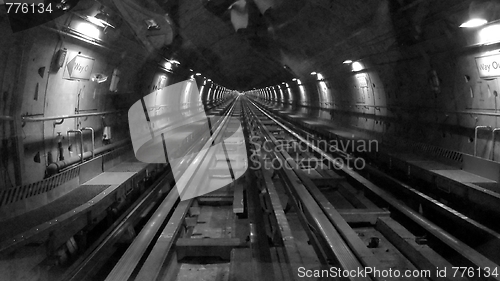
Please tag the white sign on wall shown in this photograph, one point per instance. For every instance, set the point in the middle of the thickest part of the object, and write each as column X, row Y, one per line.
column 80, row 67
column 362, row 85
column 488, row 66
column 362, row 81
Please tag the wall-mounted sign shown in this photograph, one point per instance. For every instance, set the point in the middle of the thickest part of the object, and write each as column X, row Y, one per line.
column 488, row 66
column 362, row 83
column 80, row 67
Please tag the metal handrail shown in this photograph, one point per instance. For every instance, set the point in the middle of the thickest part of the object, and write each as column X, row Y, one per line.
column 476, row 130
column 40, row 119
column 93, row 141
column 493, row 134
column 391, row 107
column 81, row 141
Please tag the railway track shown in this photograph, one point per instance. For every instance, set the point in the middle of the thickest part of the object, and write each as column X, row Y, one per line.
column 97, row 260
column 394, row 227
column 199, row 238
column 302, row 211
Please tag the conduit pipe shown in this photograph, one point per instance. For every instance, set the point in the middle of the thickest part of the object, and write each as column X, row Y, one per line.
column 40, row 119
column 55, row 167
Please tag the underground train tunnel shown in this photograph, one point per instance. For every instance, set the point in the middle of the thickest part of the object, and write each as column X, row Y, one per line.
column 249, row 140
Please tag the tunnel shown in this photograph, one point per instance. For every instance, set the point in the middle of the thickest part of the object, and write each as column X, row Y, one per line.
column 249, row 140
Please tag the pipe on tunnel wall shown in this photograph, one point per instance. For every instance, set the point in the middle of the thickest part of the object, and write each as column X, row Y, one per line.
column 56, row 167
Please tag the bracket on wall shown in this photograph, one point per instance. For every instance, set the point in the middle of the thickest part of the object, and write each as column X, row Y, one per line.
column 58, row 122
column 41, row 71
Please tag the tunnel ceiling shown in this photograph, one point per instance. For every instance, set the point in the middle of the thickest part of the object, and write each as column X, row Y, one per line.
column 295, row 37
column 277, row 46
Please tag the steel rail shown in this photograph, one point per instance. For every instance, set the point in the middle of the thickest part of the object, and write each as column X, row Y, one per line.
column 365, row 255
column 130, row 260
column 316, row 216
column 482, row 231
column 292, row 254
column 126, row 266
column 262, row 261
column 153, row 266
column 293, row 257
column 86, row 266
column 466, row 251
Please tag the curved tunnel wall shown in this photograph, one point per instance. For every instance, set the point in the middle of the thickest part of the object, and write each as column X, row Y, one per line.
column 33, row 87
column 430, row 90
column 41, row 79
column 434, row 96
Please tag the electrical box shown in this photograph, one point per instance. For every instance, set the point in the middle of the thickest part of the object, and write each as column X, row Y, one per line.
column 115, row 78
column 59, row 59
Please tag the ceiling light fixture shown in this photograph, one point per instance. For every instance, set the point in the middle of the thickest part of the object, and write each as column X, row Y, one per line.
column 489, row 34
column 475, row 22
column 100, row 19
column 152, row 25
column 63, row 5
column 88, row 29
column 168, row 65
column 313, row 73
column 357, row 66
column 105, row 19
column 95, row 21
column 347, row 62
